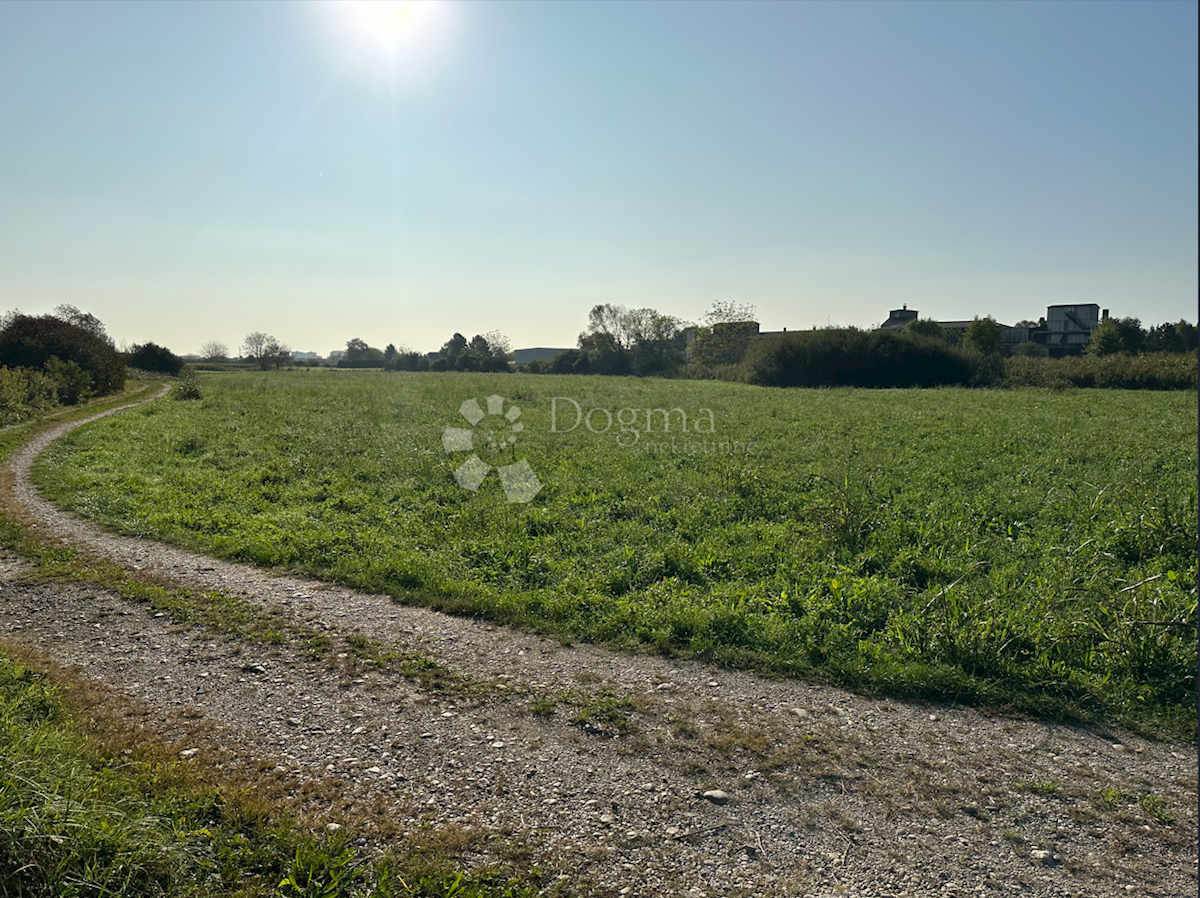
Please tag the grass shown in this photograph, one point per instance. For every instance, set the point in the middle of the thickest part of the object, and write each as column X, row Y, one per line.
column 89, row 807
column 1033, row 550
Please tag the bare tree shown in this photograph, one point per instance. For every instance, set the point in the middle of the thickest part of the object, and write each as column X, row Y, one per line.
column 214, row 351
column 726, row 311
column 265, row 350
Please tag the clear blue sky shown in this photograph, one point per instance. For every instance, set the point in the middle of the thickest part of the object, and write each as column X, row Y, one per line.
column 194, row 171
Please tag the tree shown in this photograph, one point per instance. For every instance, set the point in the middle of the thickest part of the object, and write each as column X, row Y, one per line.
column 31, row 341
column 1132, row 334
column 360, row 355
column 925, row 327
column 152, row 357
column 452, row 347
column 632, row 341
column 1106, row 339
column 214, row 351
column 725, row 311
column 983, row 335
column 1178, row 337
column 85, row 320
column 265, row 350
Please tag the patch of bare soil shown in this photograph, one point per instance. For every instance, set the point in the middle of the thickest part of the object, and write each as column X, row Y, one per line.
column 631, row 774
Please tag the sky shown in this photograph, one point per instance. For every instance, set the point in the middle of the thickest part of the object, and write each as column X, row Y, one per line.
column 323, row 171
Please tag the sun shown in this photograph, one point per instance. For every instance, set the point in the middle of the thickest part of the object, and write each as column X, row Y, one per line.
column 404, row 30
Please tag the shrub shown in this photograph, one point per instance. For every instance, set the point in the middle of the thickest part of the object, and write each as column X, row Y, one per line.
column 189, row 385
column 842, row 357
column 152, row 357
column 1157, row 371
column 24, row 393
column 71, row 383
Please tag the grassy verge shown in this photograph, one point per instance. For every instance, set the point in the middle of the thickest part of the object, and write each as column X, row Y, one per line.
column 88, row 806
column 1033, row 550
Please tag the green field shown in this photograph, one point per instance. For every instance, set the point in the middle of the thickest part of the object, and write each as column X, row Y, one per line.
column 1026, row 549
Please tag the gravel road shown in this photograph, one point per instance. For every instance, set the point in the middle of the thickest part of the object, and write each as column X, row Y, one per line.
column 629, row 774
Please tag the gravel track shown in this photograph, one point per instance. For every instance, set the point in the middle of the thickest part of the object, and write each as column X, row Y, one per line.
column 596, row 763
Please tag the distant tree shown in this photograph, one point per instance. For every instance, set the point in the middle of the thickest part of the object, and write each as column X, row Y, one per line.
column 452, row 347
column 925, row 327
column 983, row 335
column 723, row 342
column 632, row 341
column 152, row 357
column 481, row 353
column 1132, row 334
column 1106, row 339
column 214, row 351
column 1026, row 322
column 1178, row 337
column 265, row 351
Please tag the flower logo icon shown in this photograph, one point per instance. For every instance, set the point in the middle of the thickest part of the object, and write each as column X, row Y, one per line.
column 492, row 433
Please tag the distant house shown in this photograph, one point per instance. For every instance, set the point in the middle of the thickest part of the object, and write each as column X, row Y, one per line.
column 899, row 318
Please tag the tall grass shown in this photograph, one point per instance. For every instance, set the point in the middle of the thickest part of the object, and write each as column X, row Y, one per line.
column 1157, row 371
column 1034, row 549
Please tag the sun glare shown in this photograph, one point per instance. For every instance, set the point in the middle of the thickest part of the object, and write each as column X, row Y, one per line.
column 399, row 32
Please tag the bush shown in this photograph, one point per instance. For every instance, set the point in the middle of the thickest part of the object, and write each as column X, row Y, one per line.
column 1157, row 371
column 152, row 357
column 24, row 393
column 188, row 386
column 31, row 341
column 849, row 357
column 72, row 384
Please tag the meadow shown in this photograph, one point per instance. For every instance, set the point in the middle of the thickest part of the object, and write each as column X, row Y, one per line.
column 1029, row 550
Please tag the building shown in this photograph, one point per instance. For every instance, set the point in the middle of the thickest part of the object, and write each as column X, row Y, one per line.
column 899, row 318
column 1066, row 330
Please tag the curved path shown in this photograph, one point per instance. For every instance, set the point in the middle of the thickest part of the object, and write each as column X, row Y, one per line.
column 596, row 762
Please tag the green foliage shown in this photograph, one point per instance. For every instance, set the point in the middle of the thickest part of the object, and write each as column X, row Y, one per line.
column 1105, row 339
column 1161, row 371
column 1027, row 548
column 25, row 393
column 925, row 327
column 154, row 358
column 482, row 353
column 724, row 343
column 72, row 384
column 641, row 342
column 189, row 385
column 1178, row 337
column 983, row 335
column 837, row 357
column 32, row 341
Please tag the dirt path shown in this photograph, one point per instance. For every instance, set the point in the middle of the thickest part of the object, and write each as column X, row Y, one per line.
column 596, row 763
